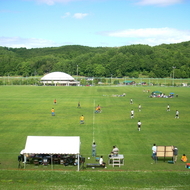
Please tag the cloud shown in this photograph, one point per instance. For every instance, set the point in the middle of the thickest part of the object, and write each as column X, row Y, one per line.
column 8, row 11
column 80, row 15
column 66, row 15
column 76, row 15
column 17, row 42
column 159, row 2
column 151, row 36
column 52, row 2
column 139, row 2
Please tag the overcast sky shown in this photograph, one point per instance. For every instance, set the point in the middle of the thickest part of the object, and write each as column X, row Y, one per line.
column 106, row 23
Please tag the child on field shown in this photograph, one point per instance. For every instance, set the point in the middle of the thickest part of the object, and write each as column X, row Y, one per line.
column 184, row 158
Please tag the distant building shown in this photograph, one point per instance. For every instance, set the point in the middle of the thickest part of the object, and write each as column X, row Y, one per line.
column 59, row 79
column 129, row 82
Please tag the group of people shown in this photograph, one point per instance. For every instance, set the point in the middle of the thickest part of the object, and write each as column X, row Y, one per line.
column 97, row 110
column 139, row 108
column 114, row 152
column 55, row 102
column 53, row 110
column 161, row 95
column 133, row 114
column 175, row 154
column 176, row 112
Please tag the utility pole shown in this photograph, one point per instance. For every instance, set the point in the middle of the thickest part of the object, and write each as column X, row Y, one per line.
column 173, row 74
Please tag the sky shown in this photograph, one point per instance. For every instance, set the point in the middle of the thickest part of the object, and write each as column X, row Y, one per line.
column 94, row 23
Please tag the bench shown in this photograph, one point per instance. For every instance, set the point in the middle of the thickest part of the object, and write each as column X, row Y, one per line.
column 93, row 165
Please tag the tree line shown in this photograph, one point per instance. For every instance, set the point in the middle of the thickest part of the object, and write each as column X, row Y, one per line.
column 166, row 60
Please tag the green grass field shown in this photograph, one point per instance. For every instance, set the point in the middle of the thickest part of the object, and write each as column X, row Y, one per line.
column 26, row 111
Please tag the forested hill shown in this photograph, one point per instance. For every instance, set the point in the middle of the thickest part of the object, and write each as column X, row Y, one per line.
column 133, row 60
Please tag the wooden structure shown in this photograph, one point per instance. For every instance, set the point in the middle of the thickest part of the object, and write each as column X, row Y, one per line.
column 116, row 160
column 164, row 152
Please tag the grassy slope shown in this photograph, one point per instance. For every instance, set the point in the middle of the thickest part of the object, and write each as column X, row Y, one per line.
column 25, row 110
column 93, row 180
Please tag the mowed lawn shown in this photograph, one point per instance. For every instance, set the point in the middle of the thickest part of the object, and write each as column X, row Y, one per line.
column 26, row 111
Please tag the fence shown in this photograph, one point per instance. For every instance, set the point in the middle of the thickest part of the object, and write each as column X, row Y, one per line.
column 94, row 81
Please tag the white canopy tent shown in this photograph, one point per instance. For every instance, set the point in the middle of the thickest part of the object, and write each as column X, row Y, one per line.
column 53, row 145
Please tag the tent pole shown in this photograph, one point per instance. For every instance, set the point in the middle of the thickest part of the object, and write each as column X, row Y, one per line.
column 24, row 161
column 78, row 163
column 51, row 162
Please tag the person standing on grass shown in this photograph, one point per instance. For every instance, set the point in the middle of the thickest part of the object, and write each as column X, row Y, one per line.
column 81, row 119
column 175, row 153
column 154, row 149
column 93, row 149
column 139, row 107
column 168, row 107
column 55, row 101
column 78, row 105
column 22, row 152
column 53, row 112
column 177, row 114
column 131, row 101
column 139, row 125
column 132, row 114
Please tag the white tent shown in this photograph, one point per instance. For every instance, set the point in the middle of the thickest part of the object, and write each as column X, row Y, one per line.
column 59, row 78
column 53, row 145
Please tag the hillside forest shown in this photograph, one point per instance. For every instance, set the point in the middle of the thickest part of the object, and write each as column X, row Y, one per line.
column 132, row 61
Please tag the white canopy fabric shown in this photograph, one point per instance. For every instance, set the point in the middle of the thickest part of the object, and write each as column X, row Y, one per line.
column 58, row 76
column 52, row 145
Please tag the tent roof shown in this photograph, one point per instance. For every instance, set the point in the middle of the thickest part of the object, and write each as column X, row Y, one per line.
column 128, row 81
column 52, row 145
column 157, row 92
column 57, row 76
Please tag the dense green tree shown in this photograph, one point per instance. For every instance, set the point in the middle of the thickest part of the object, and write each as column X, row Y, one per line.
column 132, row 60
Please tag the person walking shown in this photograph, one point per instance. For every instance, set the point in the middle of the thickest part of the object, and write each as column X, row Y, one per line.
column 132, row 114
column 139, row 125
column 168, row 107
column 93, row 149
column 177, row 114
column 139, row 107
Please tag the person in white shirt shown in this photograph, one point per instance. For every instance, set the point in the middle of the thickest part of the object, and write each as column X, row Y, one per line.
column 168, row 107
column 139, row 107
column 154, row 149
column 101, row 162
column 115, row 151
column 132, row 113
column 177, row 114
column 139, row 125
